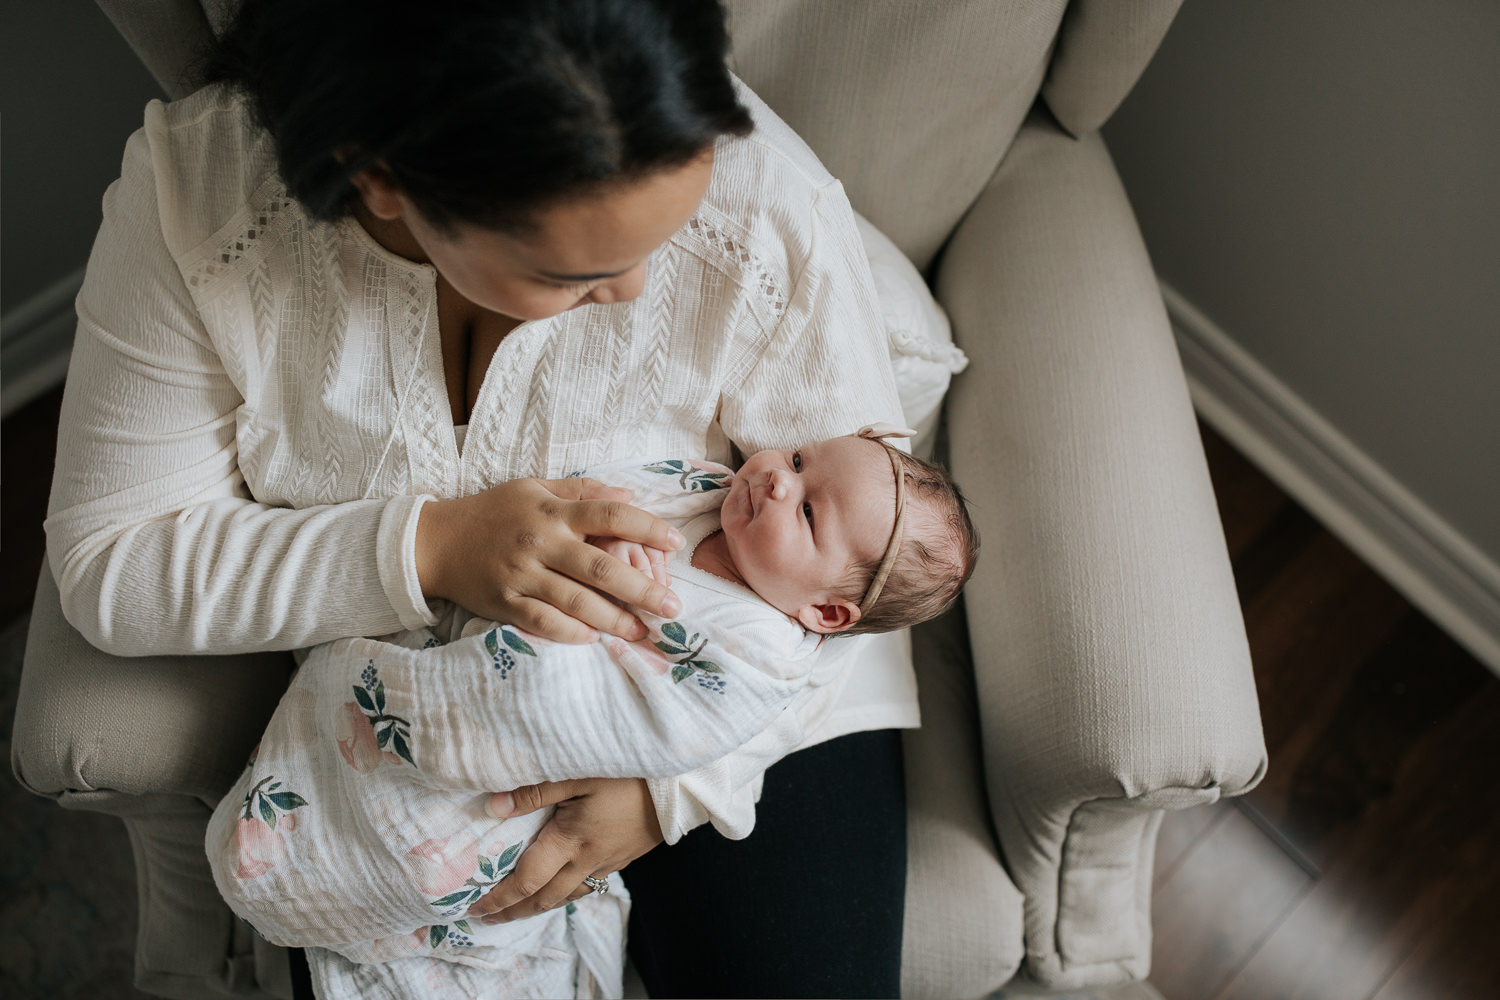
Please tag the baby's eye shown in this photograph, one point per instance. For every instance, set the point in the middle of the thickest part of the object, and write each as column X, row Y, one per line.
column 797, row 461
column 807, row 512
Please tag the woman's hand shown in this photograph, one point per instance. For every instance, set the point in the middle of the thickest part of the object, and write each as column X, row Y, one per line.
column 601, row 825
column 517, row 553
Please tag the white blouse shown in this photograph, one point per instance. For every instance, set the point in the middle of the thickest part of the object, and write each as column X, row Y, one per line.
column 256, row 409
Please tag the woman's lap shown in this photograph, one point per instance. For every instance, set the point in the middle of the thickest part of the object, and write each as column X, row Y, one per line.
column 810, row 904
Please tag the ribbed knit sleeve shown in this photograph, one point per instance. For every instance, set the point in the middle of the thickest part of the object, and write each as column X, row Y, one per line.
column 155, row 542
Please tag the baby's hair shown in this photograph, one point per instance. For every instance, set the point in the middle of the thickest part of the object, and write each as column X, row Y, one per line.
column 938, row 550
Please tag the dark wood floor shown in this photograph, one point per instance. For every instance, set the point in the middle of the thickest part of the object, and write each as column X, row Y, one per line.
column 1364, row 865
column 1362, row 868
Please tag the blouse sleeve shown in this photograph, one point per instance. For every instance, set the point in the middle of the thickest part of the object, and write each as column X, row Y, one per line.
column 826, row 370
column 154, row 540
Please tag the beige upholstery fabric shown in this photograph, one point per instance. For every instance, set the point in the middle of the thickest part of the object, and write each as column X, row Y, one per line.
column 910, row 104
column 963, row 913
column 167, row 35
column 179, row 725
column 1111, row 677
column 1101, row 50
column 1112, row 670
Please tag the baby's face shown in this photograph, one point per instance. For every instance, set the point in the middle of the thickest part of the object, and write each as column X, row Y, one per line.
column 796, row 521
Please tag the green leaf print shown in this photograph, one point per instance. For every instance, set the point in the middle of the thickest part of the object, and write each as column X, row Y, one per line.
column 380, row 697
column 285, row 801
column 435, row 934
column 515, row 642
column 685, row 649
column 383, row 737
column 491, row 646
column 402, row 750
column 691, row 480
column 485, row 867
column 508, row 858
column 363, row 697
column 266, row 812
column 454, row 898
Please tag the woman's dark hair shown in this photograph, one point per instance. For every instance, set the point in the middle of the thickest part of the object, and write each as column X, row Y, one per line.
column 481, row 111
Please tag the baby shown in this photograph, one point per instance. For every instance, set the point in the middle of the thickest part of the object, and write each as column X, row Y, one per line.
column 371, row 857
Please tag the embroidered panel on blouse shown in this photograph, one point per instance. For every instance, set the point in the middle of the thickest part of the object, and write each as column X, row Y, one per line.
column 344, row 390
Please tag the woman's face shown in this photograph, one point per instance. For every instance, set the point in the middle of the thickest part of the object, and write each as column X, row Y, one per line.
column 587, row 249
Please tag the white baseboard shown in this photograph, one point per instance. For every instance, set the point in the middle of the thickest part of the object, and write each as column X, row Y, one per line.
column 1439, row 570
column 37, row 338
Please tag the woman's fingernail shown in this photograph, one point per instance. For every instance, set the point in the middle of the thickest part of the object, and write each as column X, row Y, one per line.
column 675, row 537
column 500, row 805
column 671, row 606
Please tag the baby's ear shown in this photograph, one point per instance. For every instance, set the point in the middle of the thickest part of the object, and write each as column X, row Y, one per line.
column 827, row 619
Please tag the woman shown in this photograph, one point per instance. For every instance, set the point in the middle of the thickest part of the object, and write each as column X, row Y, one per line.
column 401, row 257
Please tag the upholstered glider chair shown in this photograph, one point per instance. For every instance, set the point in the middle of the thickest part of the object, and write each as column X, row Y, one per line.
column 1109, row 677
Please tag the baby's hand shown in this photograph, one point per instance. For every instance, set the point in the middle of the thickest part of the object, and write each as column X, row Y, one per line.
column 649, row 560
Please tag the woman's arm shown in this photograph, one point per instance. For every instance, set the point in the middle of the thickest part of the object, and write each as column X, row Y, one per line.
column 158, row 546
column 155, row 542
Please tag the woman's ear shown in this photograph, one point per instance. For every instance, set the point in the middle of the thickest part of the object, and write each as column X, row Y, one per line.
column 827, row 619
column 378, row 190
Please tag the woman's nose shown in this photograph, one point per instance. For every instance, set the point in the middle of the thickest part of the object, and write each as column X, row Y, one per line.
column 621, row 288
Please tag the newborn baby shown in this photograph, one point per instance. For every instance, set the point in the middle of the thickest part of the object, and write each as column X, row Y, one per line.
column 371, row 856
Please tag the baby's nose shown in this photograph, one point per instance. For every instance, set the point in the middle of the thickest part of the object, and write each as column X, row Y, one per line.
column 778, row 483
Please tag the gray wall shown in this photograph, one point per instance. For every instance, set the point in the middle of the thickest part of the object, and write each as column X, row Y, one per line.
column 71, row 93
column 1320, row 181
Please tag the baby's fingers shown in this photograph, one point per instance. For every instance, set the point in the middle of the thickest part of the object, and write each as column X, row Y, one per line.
column 658, row 563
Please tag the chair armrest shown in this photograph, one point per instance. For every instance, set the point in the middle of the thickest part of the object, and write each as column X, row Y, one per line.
column 88, row 722
column 1112, row 669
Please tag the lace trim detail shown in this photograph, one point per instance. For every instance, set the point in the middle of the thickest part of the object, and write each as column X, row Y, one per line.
column 754, row 269
column 262, row 222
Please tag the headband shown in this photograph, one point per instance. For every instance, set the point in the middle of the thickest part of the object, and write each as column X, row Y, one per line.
column 878, row 432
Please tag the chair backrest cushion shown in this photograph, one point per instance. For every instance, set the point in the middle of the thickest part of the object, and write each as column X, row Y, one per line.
column 910, row 104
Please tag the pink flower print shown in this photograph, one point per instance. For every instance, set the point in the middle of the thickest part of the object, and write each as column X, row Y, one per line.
column 441, row 867
column 356, row 739
column 260, row 847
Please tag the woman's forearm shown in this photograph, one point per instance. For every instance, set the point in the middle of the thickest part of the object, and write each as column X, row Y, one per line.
column 230, row 575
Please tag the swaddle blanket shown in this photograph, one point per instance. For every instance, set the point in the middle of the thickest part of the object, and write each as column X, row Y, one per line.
column 359, row 830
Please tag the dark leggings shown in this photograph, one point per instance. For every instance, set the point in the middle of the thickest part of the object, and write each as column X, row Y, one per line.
column 810, row 904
